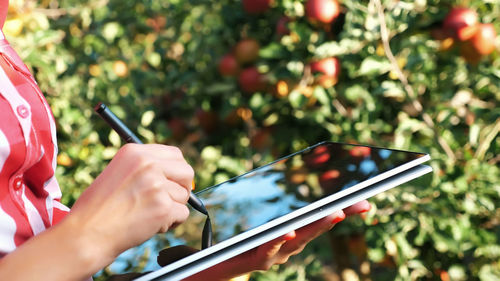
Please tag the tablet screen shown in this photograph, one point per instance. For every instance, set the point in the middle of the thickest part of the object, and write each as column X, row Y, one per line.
column 292, row 182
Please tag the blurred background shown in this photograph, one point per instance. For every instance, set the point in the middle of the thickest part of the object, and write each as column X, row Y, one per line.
column 238, row 83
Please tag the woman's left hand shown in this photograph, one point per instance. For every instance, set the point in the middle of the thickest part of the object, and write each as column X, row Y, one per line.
column 276, row 251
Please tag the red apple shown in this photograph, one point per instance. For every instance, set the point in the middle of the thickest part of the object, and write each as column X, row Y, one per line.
column 172, row 98
column 157, row 23
column 262, row 139
column 228, row 66
column 329, row 69
column 178, row 127
column 251, row 80
column 469, row 53
column 328, row 66
column 207, row 120
column 256, row 6
column 457, row 19
column 467, row 32
column 322, row 10
column 247, row 51
column 357, row 246
column 484, row 39
column 281, row 26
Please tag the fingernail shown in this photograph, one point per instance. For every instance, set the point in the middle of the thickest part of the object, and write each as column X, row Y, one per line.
column 366, row 209
column 340, row 216
column 290, row 236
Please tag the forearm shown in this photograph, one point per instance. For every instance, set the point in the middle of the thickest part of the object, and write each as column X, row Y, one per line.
column 59, row 253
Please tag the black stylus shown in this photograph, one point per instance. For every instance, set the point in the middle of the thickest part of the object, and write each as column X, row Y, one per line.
column 127, row 135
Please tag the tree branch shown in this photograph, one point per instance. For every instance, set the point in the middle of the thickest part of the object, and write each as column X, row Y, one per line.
column 384, row 34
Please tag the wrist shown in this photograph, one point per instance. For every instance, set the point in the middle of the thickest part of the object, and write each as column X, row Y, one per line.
column 85, row 245
column 62, row 252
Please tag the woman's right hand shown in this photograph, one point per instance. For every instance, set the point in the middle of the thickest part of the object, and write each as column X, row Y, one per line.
column 143, row 191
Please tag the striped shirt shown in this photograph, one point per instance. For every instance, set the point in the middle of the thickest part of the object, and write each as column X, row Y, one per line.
column 29, row 192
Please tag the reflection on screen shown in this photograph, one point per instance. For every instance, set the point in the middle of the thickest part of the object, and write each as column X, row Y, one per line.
column 260, row 196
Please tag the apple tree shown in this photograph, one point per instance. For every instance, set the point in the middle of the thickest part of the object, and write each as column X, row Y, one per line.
column 237, row 83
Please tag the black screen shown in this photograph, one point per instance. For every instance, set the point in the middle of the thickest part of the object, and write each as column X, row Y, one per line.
column 292, row 182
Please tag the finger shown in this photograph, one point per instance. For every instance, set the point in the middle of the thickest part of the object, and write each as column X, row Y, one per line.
column 164, row 152
column 177, row 192
column 178, row 213
column 358, row 208
column 307, row 233
column 157, row 185
column 181, row 212
column 179, row 171
column 264, row 256
column 173, row 163
column 270, row 248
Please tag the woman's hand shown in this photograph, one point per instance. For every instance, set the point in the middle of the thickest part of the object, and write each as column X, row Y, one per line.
column 279, row 250
column 276, row 251
column 143, row 191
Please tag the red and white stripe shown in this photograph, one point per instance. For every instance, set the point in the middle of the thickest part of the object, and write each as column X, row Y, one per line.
column 29, row 192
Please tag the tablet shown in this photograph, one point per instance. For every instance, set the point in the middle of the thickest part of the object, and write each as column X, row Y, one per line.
column 289, row 193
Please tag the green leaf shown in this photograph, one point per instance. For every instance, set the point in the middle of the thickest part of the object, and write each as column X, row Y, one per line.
column 154, row 59
column 334, row 49
column 376, row 255
column 489, row 273
column 147, row 118
column 273, row 51
column 220, row 88
column 111, row 30
column 297, row 99
column 321, row 95
column 393, row 90
column 374, row 66
column 488, row 251
column 457, row 272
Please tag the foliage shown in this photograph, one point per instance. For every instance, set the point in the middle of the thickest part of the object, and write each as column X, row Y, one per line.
column 155, row 63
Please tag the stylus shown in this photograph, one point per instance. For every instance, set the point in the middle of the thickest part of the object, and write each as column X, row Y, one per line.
column 127, row 135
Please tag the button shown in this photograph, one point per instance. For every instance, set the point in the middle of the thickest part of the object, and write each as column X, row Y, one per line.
column 22, row 110
column 18, row 183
